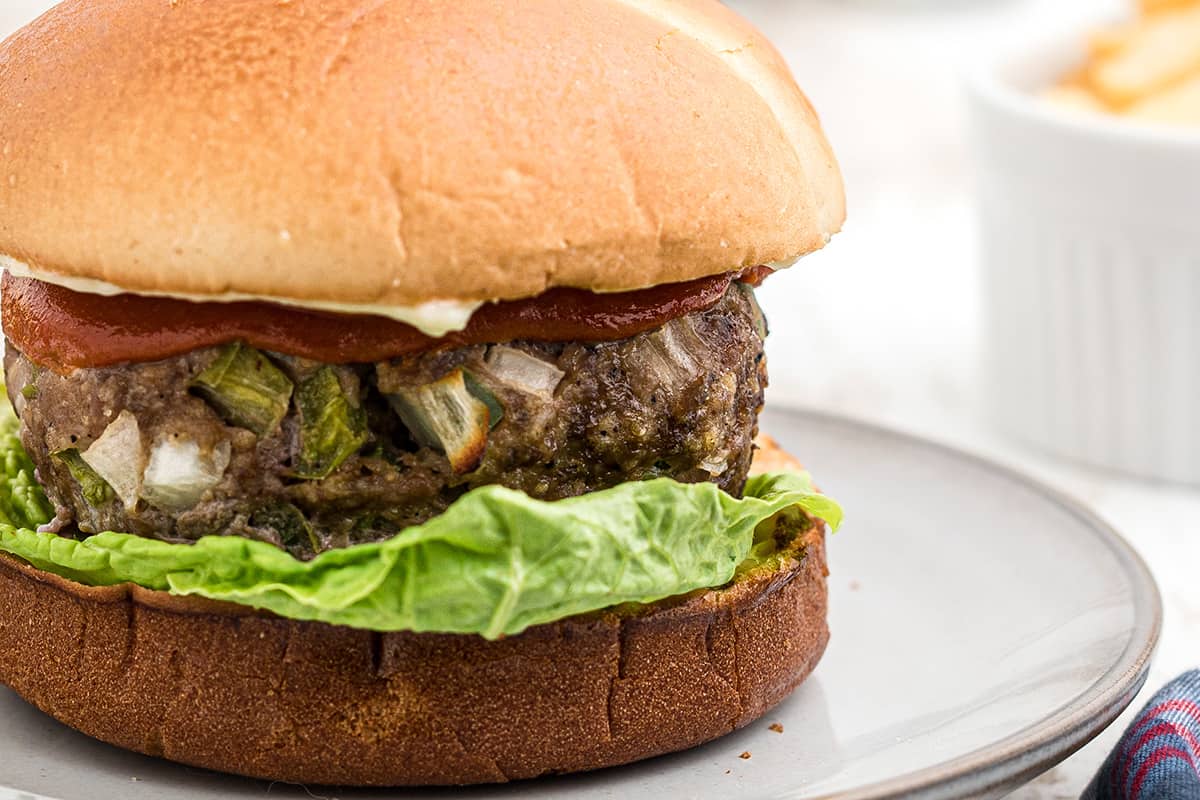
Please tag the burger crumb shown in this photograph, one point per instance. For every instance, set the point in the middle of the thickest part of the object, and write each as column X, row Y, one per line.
column 775, row 726
column 728, row 771
column 855, row 586
column 745, row 755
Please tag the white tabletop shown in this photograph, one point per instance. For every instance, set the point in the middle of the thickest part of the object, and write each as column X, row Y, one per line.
column 882, row 325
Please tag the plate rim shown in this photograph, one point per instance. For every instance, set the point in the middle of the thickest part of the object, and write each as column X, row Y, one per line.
column 1027, row 753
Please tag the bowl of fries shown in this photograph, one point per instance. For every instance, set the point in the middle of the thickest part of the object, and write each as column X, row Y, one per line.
column 1145, row 69
column 1088, row 183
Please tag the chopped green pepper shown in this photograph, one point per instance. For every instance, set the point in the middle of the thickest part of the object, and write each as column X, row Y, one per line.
column 245, row 388
column 331, row 428
column 95, row 490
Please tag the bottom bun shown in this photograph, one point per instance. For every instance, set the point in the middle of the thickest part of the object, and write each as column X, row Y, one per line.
column 229, row 688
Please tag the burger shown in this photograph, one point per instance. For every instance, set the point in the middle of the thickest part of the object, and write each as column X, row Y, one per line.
column 385, row 380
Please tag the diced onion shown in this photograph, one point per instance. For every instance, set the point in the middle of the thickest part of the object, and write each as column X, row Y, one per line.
column 178, row 474
column 667, row 354
column 446, row 416
column 117, row 457
column 523, row 372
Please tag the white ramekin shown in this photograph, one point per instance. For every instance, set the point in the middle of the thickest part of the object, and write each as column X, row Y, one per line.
column 1090, row 234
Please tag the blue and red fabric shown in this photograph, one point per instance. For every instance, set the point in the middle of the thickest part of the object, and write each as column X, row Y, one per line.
column 1158, row 758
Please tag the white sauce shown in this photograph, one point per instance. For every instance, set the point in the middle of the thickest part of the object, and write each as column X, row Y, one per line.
column 435, row 318
column 778, row 265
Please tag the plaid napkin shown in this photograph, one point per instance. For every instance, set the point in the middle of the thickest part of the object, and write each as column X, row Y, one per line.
column 1158, row 758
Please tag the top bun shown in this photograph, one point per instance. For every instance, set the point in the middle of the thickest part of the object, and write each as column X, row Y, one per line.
column 396, row 152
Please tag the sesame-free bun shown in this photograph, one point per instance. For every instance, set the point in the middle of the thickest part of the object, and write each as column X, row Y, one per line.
column 229, row 688
column 395, row 153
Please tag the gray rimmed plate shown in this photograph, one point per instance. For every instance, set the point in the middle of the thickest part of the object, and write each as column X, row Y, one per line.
column 984, row 628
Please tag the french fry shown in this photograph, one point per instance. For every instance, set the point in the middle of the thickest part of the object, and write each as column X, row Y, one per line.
column 1178, row 105
column 1107, row 42
column 1155, row 6
column 1165, row 49
column 1146, row 69
column 1076, row 98
column 1077, row 77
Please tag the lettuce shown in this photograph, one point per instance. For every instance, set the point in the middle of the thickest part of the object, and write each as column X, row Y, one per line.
column 495, row 563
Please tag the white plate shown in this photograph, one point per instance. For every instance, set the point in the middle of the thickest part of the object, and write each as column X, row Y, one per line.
column 983, row 629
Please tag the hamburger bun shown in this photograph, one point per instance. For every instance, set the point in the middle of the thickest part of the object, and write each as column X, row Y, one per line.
column 392, row 154
column 230, row 688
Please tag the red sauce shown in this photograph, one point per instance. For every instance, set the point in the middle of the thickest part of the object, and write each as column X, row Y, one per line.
column 63, row 329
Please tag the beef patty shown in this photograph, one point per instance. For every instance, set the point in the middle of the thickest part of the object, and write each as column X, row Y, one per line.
column 309, row 456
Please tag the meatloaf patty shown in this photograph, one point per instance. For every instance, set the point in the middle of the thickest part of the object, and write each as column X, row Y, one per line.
column 309, row 456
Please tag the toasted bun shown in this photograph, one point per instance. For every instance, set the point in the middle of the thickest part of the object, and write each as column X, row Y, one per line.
column 229, row 688
column 395, row 153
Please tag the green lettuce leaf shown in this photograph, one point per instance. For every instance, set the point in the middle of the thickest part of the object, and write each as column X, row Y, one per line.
column 495, row 563
column 22, row 502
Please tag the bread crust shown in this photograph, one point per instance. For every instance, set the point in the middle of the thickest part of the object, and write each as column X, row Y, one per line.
column 395, row 153
column 230, row 688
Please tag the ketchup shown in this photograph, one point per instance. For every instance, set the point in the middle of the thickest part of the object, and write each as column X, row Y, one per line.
column 63, row 329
